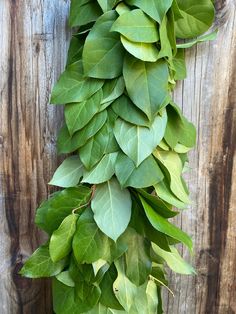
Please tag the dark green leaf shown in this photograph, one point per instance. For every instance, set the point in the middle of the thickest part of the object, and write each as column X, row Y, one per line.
column 83, row 12
column 77, row 115
column 72, row 86
column 164, row 226
column 124, row 108
column 138, row 262
column 40, row 264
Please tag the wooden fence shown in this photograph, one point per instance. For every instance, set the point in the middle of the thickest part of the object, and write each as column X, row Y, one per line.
column 33, row 45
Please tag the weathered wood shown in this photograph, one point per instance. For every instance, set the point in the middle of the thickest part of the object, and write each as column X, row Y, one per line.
column 33, row 45
column 208, row 98
column 33, row 48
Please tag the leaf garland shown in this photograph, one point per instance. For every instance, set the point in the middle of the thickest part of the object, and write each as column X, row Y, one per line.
column 110, row 237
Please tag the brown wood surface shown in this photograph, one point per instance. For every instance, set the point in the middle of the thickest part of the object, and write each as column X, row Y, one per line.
column 33, row 42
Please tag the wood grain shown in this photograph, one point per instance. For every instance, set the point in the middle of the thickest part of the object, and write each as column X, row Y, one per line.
column 33, row 45
column 33, row 41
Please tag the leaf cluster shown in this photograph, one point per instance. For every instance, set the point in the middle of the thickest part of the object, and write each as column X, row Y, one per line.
column 109, row 228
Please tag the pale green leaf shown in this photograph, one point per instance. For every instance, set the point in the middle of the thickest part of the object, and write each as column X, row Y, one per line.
column 174, row 261
column 103, row 52
column 152, row 77
column 125, row 291
column 142, row 51
column 112, row 208
column 164, row 192
column 65, row 278
column 197, row 17
column 136, row 26
column 103, row 171
column 139, row 142
column 69, row 173
column 208, row 37
column 154, row 8
column 145, row 175
column 61, row 239
column 172, row 162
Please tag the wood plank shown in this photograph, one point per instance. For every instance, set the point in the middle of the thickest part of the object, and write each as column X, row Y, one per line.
column 33, row 50
column 208, row 98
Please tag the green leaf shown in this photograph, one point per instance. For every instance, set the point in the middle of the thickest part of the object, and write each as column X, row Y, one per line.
column 112, row 208
column 164, row 192
column 145, row 175
column 74, row 300
column 164, row 226
column 72, row 86
column 82, row 136
column 208, row 37
column 103, row 52
column 67, row 144
column 61, row 239
column 179, row 65
column 52, row 212
column 77, row 115
column 136, row 26
column 103, row 171
column 138, row 261
column 142, row 51
column 125, row 291
column 179, row 129
column 125, row 109
column 157, row 204
column 166, row 47
column 65, row 278
column 89, row 243
column 107, row 5
column 197, row 17
column 75, row 50
column 172, row 162
column 94, row 149
column 139, row 142
column 69, row 173
column 175, row 261
column 113, row 89
column 153, row 77
column 40, row 265
column 152, row 297
column 108, row 298
column 83, row 12
column 154, row 8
